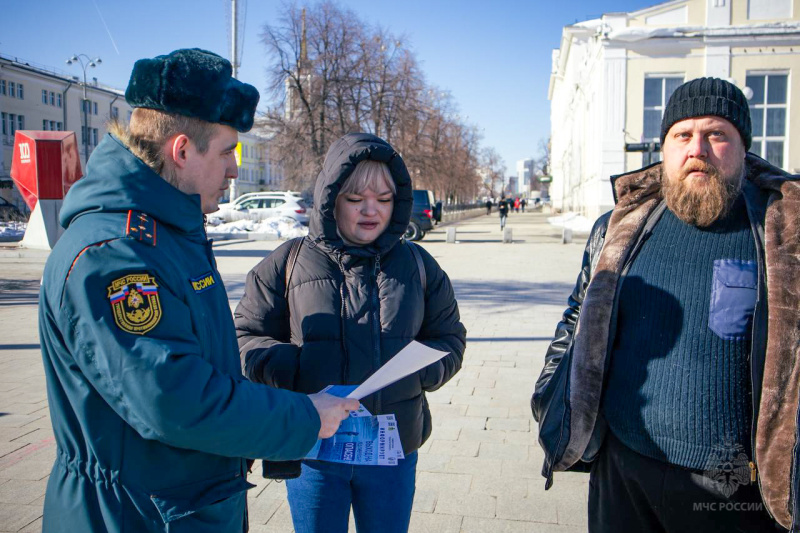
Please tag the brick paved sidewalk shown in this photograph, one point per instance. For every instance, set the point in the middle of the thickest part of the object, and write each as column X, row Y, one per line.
column 479, row 472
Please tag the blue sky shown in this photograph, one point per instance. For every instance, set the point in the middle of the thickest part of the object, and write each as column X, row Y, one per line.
column 494, row 57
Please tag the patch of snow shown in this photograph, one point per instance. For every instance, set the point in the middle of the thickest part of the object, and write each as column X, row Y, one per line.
column 574, row 221
column 282, row 227
column 12, row 230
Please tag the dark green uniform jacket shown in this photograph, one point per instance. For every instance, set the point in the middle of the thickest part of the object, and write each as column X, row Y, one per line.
column 352, row 308
column 151, row 414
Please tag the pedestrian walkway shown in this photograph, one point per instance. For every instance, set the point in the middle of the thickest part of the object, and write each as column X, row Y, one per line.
column 479, row 472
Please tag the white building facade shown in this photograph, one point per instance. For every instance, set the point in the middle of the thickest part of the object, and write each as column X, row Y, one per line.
column 612, row 77
column 37, row 98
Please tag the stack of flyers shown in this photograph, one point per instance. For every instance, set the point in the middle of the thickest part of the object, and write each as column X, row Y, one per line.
column 390, row 435
column 362, row 439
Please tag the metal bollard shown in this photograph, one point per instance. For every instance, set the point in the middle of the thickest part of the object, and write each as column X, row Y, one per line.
column 507, row 235
column 451, row 235
column 566, row 237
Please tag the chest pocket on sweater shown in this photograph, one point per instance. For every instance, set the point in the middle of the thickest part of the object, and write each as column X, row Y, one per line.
column 733, row 298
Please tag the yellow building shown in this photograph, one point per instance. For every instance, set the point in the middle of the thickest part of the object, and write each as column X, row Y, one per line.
column 257, row 170
column 612, row 77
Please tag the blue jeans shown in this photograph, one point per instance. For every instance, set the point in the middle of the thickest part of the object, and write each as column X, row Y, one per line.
column 381, row 497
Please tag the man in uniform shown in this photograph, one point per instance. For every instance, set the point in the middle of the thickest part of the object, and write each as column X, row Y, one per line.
column 151, row 415
column 673, row 374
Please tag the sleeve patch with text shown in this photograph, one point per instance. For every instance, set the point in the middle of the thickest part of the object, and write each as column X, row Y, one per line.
column 203, row 283
column 135, row 303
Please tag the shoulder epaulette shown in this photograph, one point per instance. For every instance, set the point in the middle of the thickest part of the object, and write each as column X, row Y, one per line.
column 142, row 227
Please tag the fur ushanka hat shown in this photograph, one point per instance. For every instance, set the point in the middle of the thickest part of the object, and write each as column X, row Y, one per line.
column 195, row 83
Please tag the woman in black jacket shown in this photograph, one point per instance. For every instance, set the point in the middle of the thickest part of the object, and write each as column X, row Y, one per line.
column 355, row 299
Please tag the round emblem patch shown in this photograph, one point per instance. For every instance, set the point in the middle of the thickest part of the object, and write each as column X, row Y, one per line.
column 134, row 303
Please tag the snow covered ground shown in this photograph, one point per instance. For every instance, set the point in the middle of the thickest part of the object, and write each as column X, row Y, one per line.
column 10, row 231
column 282, row 227
column 574, row 221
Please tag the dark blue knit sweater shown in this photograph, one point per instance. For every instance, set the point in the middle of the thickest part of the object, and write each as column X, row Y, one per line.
column 676, row 388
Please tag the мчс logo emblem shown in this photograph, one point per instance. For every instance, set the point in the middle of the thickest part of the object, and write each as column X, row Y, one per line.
column 134, row 303
column 727, row 468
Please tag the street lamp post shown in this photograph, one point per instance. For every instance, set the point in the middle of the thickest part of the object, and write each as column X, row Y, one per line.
column 89, row 62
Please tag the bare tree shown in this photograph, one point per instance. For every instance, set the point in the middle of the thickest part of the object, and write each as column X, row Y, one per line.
column 493, row 170
column 330, row 74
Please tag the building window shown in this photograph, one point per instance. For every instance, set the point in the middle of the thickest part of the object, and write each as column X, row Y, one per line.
column 769, row 9
column 12, row 89
column 12, row 122
column 114, row 112
column 52, row 98
column 768, row 113
column 657, row 91
column 20, row 92
column 5, row 130
column 83, row 134
column 59, row 126
column 58, row 99
column 52, row 125
column 44, row 125
column 21, row 122
column 3, row 87
column 44, row 96
column 95, row 108
column 94, row 136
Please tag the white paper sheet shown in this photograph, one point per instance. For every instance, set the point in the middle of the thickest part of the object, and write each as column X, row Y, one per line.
column 413, row 357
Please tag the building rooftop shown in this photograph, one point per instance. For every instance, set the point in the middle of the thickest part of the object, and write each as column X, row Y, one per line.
column 55, row 73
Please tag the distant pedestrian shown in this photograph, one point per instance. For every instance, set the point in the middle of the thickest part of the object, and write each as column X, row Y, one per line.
column 502, row 207
column 516, row 204
column 523, row 203
column 488, row 207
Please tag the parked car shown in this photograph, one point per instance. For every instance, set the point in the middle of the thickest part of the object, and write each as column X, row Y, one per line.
column 263, row 205
column 9, row 212
column 424, row 213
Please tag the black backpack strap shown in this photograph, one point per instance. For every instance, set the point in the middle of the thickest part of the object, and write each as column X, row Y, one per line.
column 291, row 261
column 423, row 277
column 280, row 470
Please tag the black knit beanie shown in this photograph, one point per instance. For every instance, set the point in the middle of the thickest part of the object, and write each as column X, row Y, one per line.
column 709, row 96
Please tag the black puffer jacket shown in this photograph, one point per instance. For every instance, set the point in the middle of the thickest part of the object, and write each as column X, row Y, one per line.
column 352, row 308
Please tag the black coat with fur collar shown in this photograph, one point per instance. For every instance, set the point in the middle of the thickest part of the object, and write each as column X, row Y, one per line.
column 566, row 400
column 352, row 308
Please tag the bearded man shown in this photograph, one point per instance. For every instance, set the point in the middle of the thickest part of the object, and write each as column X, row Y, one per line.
column 672, row 374
column 152, row 417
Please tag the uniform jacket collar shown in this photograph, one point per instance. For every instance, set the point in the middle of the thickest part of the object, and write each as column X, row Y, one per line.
column 117, row 181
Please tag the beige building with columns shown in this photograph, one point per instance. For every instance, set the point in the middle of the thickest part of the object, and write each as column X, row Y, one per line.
column 612, row 77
